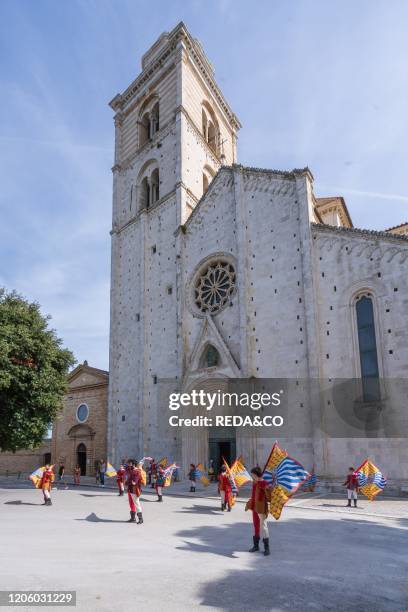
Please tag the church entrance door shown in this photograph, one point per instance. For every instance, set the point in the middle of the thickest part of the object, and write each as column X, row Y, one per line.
column 81, row 458
column 222, row 445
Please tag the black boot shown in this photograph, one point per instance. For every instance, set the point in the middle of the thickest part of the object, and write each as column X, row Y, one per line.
column 349, row 503
column 229, row 508
column 223, row 507
column 49, row 502
column 255, row 547
column 159, row 498
column 193, row 489
column 140, row 517
column 355, row 503
column 266, row 547
column 132, row 517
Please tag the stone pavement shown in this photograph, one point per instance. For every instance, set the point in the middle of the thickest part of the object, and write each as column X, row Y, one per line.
column 190, row 556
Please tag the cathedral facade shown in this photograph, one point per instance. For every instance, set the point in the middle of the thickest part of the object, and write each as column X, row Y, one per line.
column 223, row 272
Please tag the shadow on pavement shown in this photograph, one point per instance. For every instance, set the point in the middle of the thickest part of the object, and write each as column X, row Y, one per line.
column 93, row 518
column 196, row 509
column 321, row 564
column 97, row 495
column 18, row 502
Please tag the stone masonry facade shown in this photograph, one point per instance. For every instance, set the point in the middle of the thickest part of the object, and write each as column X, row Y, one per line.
column 181, row 204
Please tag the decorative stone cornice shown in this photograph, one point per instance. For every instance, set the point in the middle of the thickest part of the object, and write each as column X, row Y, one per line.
column 285, row 174
column 364, row 233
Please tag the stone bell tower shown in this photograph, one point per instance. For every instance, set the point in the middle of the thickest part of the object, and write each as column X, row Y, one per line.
column 173, row 131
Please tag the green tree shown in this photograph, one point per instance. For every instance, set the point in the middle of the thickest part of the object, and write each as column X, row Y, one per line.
column 33, row 373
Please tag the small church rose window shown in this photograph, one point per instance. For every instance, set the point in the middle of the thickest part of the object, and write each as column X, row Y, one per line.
column 214, row 287
column 82, row 413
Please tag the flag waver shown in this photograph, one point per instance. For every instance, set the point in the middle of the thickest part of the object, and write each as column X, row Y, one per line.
column 285, row 475
column 231, row 478
column 371, row 481
column 200, row 473
column 163, row 462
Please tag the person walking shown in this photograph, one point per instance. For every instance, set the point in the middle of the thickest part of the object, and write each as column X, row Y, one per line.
column 352, row 487
column 259, row 504
column 153, row 478
column 211, row 472
column 160, row 483
column 97, row 472
column 120, row 479
column 61, row 471
column 225, row 489
column 77, row 475
column 45, row 485
column 102, row 473
column 192, row 475
column 133, row 483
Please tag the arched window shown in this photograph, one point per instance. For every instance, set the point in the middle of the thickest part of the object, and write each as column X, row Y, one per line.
column 210, row 127
column 145, row 193
column 212, row 136
column 144, row 129
column 148, row 119
column 148, row 184
column 155, row 185
column 211, row 357
column 204, row 124
column 367, row 345
column 155, row 119
column 208, row 175
column 205, row 183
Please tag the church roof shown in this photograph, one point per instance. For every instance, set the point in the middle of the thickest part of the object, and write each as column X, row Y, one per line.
column 288, row 174
column 360, row 232
column 338, row 203
column 85, row 368
column 400, row 227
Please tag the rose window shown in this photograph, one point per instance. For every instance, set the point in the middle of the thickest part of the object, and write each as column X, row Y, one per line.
column 214, row 287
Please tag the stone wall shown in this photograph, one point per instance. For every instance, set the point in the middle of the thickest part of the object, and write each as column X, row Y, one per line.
column 24, row 461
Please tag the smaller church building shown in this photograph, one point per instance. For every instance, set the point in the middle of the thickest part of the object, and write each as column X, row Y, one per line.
column 79, row 432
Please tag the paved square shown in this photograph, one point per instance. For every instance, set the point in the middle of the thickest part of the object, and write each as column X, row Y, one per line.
column 188, row 555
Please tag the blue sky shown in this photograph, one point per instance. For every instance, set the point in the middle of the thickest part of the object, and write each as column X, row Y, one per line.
column 319, row 83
